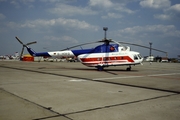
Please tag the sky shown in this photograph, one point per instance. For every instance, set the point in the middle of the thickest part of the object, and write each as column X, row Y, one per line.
column 58, row 24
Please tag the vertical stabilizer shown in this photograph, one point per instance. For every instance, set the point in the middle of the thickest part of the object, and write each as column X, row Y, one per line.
column 31, row 51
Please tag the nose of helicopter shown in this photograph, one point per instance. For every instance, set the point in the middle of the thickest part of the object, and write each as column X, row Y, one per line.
column 141, row 61
column 138, row 58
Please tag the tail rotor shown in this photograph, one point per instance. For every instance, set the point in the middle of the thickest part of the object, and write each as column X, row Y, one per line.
column 24, row 45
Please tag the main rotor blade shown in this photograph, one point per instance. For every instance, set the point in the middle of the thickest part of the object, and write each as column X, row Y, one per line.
column 103, row 40
column 117, row 42
column 80, row 45
column 19, row 40
column 142, row 46
column 31, row 43
column 107, row 41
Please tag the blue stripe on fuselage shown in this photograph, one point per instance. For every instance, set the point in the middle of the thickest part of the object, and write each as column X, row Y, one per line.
column 44, row 54
column 85, row 51
column 99, row 49
column 106, row 48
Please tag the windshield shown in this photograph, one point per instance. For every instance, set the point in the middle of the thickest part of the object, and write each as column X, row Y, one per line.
column 139, row 56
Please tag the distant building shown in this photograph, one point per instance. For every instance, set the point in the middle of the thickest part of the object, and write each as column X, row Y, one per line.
column 164, row 59
column 16, row 55
column 149, row 58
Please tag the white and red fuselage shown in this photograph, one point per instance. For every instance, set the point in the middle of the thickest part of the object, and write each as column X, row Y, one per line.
column 101, row 56
column 110, row 59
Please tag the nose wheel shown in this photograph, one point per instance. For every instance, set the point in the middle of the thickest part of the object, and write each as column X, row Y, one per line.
column 129, row 68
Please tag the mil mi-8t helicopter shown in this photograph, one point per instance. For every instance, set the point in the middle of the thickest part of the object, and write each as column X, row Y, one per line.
column 101, row 56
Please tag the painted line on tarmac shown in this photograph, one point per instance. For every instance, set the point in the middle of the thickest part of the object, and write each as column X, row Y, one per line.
column 135, row 76
column 77, row 80
column 164, row 74
column 117, row 77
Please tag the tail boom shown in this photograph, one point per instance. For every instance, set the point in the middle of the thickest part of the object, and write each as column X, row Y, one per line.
column 67, row 53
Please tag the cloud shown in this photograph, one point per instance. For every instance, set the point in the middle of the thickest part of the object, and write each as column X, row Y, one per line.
column 101, row 3
column 12, row 25
column 19, row 3
column 122, row 8
column 170, row 13
column 69, row 39
column 15, row 3
column 27, row 1
column 107, row 5
column 68, row 10
column 2, row 16
column 60, row 39
column 175, row 8
column 54, row 1
column 3, row 0
column 155, row 4
column 57, row 42
column 162, row 16
column 160, row 30
column 63, row 22
column 112, row 15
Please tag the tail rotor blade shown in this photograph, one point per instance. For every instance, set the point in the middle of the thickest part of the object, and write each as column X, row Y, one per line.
column 22, row 52
column 31, row 43
column 19, row 40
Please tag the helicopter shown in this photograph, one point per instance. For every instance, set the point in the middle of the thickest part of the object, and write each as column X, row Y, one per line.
column 110, row 53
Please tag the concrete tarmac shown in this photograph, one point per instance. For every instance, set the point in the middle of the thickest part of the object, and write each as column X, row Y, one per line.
column 71, row 91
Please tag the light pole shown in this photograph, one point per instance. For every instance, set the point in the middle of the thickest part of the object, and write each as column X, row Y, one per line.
column 150, row 43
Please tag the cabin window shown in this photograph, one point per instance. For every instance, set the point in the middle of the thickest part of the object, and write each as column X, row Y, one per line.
column 112, row 48
column 105, row 58
column 115, row 58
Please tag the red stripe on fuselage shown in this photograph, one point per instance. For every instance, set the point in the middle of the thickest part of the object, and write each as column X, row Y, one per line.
column 107, row 59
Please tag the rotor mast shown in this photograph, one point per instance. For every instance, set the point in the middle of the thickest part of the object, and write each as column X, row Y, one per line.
column 106, row 41
column 105, row 29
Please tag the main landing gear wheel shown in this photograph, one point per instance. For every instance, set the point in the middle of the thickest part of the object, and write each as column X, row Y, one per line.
column 100, row 68
column 129, row 68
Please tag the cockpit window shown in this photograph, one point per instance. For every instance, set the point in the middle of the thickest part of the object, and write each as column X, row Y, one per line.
column 135, row 57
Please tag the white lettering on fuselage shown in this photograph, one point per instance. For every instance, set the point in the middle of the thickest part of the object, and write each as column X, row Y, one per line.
column 119, row 53
column 61, row 53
